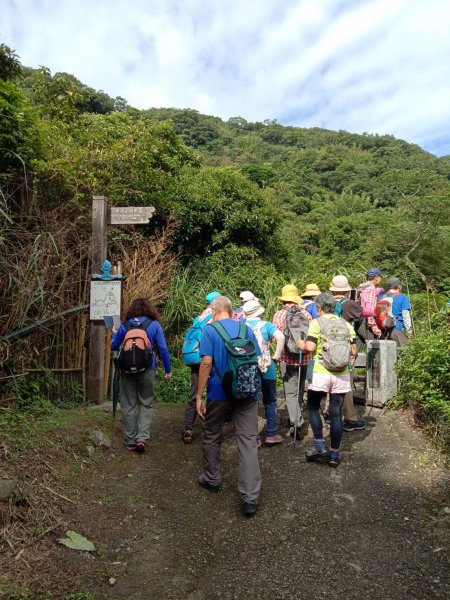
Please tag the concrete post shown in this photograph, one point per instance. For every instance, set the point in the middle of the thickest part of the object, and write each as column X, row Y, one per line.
column 380, row 372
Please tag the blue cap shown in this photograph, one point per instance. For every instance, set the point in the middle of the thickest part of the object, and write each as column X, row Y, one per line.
column 210, row 297
column 374, row 272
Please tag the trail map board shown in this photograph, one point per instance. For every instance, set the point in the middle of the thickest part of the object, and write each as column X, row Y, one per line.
column 105, row 299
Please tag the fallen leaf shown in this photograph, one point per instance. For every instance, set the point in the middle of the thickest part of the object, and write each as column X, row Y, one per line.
column 77, row 542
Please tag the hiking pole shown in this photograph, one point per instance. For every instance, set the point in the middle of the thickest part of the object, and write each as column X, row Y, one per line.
column 297, row 407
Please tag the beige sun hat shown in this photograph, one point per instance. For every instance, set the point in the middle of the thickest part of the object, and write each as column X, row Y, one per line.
column 289, row 293
column 311, row 290
column 340, row 283
column 252, row 309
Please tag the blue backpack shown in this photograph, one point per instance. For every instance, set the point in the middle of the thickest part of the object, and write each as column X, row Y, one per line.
column 191, row 344
column 242, row 377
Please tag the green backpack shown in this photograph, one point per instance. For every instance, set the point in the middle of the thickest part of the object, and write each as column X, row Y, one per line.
column 242, row 377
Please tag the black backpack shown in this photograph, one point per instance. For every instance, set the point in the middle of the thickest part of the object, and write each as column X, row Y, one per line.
column 136, row 354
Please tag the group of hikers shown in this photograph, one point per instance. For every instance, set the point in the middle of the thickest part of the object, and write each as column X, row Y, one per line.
column 314, row 338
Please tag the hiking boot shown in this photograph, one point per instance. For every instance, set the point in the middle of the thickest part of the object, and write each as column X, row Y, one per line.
column 354, row 425
column 140, row 448
column 249, row 508
column 131, row 447
column 202, row 482
column 334, row 459
column 187, row 437
column 316, row 455
column 273, row 439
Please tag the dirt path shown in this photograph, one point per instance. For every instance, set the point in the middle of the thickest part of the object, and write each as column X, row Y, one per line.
column 375, row 527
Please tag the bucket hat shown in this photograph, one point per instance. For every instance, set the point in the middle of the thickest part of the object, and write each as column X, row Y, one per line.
column 253, row 308
column 339, row 283
column 289, row 293
column 311, row 290
column 245, row 296
column 210, row 297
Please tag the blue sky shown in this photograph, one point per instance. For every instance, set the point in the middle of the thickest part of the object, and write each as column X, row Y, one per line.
column 377, row 66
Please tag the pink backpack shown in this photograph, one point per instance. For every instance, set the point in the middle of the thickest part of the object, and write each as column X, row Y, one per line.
column 363, row 294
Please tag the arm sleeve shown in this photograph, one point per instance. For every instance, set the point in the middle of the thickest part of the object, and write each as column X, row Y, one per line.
column 160, row 342
column 406, row 318
column 117, row 338
column 279, row 338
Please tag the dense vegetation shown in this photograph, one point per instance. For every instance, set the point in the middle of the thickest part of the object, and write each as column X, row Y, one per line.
column 244, row 205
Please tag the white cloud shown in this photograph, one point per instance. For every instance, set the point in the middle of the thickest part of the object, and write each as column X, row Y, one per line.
column 361, row 65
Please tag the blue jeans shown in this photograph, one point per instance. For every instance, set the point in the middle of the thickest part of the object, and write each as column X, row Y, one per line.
column 269, row 394
column 335, row 412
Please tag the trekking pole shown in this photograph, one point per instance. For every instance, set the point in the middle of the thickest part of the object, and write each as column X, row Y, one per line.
column 297, row 407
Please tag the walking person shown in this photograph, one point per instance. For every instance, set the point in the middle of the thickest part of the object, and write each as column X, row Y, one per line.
column 401, row 312
column 332, row 340
column 350, row 311
column 213, row 367
column 244, row 297
column 191, row 358
column 311, row 291
column 293, row 373
column 367, row 328
column 264, row 332
column 141, row 334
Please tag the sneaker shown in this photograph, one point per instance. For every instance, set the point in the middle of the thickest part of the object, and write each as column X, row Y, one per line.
column 131, row 447
column 187, row 437
column 316, row 456
column 334, row 459
column 273, row 439
column 249, row 508
column 258, row 442
column 354, row 425
column 140, row 448
column 202, row 482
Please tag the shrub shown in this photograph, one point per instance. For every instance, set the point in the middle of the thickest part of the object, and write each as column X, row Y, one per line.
column 178, row 390
column 424, row 377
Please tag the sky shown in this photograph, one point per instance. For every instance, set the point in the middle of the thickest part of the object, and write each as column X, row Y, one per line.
column 376, row 66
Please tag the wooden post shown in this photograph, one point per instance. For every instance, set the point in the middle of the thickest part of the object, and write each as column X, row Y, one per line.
column 96, row 367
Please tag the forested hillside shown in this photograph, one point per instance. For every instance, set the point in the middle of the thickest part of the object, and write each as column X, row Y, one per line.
column 242, row 205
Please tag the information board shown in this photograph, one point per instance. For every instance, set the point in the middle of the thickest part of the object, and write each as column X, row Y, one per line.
column 105, row 299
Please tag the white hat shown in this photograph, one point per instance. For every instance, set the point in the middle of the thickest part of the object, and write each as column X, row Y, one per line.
column 246, row 296
column 340, row 283
column 252, row 309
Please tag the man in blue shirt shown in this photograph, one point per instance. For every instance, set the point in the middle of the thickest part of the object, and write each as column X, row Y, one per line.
column 401, row 308
column 245, row 411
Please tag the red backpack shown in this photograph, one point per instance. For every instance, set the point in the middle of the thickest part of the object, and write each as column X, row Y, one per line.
column 383, row 312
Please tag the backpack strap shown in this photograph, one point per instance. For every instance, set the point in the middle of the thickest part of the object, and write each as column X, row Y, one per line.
column 144, row 325
column 217, row 325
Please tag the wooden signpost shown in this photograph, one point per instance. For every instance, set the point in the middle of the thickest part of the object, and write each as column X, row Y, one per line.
column 102, row 216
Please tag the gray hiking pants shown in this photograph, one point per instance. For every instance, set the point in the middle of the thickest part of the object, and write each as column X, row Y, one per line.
column 136, row 403
column 190, row 412
column 245, row 421
column 292, row 391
